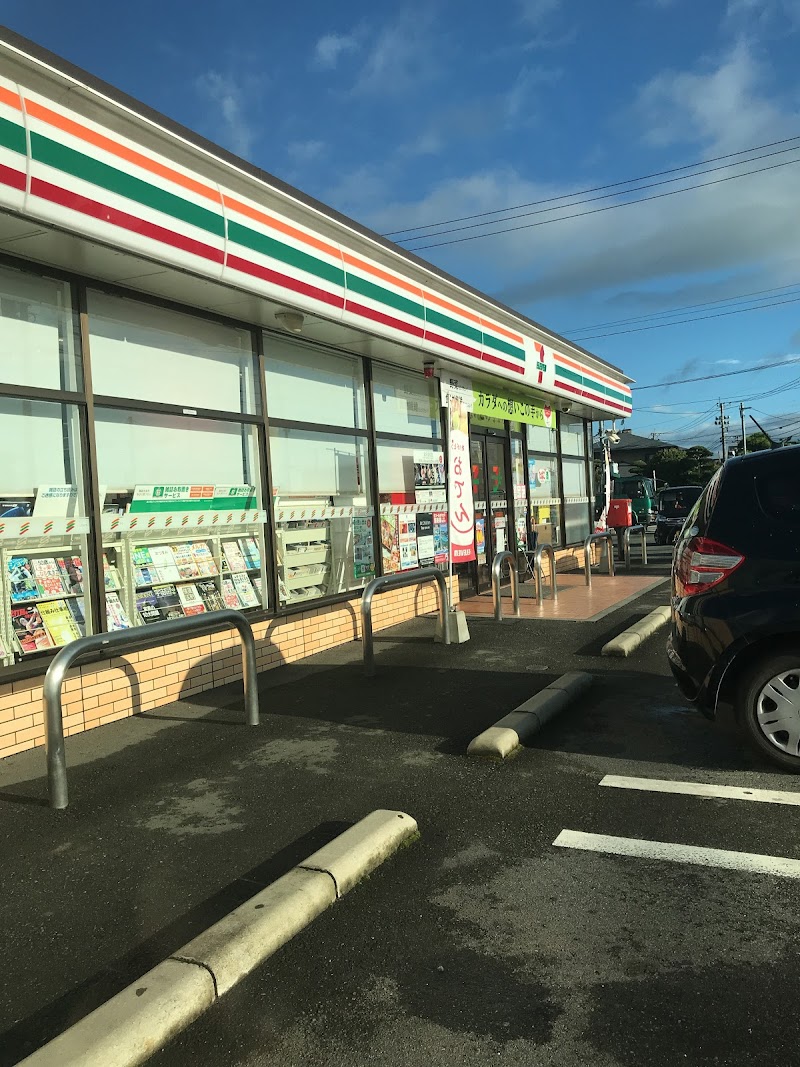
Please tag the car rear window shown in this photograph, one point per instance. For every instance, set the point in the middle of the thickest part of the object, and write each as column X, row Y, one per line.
column 779, row 494
column 677, row 502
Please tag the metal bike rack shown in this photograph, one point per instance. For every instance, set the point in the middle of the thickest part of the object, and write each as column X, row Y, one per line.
column 545, row 550
column 497, row 566
column 641, row 532
column 396, row 581
column 609, row 539
column 119, row 642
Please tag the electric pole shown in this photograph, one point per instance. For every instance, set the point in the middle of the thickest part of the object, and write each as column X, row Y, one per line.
column 742, row 410
column 722, row 420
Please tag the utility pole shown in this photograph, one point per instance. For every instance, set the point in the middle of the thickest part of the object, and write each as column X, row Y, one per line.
column 742, row 410
column 722, row 420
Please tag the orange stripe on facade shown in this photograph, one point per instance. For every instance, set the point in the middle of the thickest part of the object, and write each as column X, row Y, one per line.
column 9, row 97
column 283, row 227
column 593, row 373
column 83, row 133
column 384, row 275
column 502, row 330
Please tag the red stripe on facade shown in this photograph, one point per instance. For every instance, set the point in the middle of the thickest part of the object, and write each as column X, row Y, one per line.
column 487, row 357
column 457, row 346
column 14, row 178
column 387, row 320
column 592, row 396
column 75, row 202
column 284, row 281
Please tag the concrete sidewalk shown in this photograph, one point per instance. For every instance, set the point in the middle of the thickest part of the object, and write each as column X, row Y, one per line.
column 177, row 817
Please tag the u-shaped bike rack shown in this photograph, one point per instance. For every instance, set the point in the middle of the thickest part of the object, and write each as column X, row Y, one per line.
column 395, row 581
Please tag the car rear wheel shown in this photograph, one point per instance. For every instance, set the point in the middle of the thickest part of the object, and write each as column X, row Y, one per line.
column 769, row 708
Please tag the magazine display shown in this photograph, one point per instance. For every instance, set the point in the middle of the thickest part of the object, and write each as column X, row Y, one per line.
column 23, row 583
column 245, row 591
column 59, row 622
column 233, row 557
column 48, row 577
column 190, row 600
column 229, row 594
column 147, row 607
column 117, row 618
column 212, row 598
column 168, row 601
column 204, row 558
column 29, row 630
column 249, row 550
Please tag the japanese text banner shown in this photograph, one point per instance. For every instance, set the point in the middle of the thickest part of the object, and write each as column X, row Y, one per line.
column 462, row 512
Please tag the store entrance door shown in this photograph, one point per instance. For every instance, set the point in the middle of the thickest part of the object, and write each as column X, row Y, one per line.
column 490, row 494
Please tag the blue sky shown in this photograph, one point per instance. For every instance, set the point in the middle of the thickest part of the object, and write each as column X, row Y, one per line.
column 408, row 114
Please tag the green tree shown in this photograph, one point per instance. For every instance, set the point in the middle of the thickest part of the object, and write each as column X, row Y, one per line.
column 680, row 466
column 756, row 442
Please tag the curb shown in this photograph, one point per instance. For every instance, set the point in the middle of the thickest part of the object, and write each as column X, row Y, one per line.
column 508, row 733
column 629, row 640
column 136, row 1023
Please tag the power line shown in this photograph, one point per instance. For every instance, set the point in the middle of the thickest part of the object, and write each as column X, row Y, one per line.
column 572, row 331
column 595, row 189
column 721, row 374
column 694, row 318
column 608, row 207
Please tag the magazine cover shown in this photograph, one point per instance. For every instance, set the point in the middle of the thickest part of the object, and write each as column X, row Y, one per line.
column 185, row 561
column 245, row 590
column 164, row 561
column 112, row 576
column 229, row 594
column 148, row 576
column 191, row 601
column 249, row 550
column 20, row 576
column 59, row 622
column 166, row 596
column 141, row 556
column 147, row 607
column 258, row 584
column 212, row 598
column 77, row 610
column 71, row 568
column 29, row 629
column 48, row 576
column 390, row 544
column 233, row 557
column 117, row 617
column 204, row 558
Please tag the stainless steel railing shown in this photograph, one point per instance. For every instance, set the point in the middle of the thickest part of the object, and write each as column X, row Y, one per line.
column 545, row 550
column 497, row 566
column 609, row 539
column 641, row 532
column 119, row 642
column 396, row 581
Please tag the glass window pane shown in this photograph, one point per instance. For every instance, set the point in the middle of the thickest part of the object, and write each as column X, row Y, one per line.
column 573, row 436
column 41, row 448
column 182, row 526
column 542, row 438
column 576, row 505
column 577, row 522
column 320, row 551
column 405, row 403
column 308, row 384
column 574, row 473
column 409, row 474
column 145, row 352
column 39, row 334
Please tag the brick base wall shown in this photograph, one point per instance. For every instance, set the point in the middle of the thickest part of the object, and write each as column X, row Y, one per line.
column 141, row 681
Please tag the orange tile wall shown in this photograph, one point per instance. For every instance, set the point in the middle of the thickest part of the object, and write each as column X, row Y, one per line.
column 141, row 681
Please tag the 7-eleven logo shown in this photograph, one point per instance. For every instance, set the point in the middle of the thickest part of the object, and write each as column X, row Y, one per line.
column 541, row 365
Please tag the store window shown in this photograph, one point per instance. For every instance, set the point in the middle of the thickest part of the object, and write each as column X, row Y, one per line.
column 323, row 513
column 405, row 403
column 576, row 499
column 146, row 352
column 182, row 522
column 573, row 436
column 39, row 336
column 543, row 484
column 311, row 385
column 43, row 530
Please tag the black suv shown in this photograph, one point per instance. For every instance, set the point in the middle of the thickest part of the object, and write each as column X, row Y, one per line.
column 735, row 642
column 674, row 504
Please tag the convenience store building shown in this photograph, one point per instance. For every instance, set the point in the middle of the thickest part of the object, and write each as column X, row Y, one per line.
column 215, row 390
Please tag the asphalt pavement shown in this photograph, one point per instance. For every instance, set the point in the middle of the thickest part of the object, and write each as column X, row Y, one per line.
column 483, row 942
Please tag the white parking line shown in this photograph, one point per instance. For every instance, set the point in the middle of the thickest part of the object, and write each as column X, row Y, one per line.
column 665, row 850
column 699, row 789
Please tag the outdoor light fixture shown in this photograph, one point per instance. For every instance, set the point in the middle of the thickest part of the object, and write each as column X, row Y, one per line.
column 291, row 320
column 428, row 369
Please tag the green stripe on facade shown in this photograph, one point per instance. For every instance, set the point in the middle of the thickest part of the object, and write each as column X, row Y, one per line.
column 453, row 325
column 504, row 346
column 116, row 181
column 590, row 383
column 565, row 372
column 292, row 257
column 12, row 136
column 356, row 284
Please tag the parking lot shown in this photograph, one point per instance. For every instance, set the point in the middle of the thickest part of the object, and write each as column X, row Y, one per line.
column 512, row 931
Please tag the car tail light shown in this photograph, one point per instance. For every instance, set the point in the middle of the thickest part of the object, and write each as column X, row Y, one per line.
column 702, row 564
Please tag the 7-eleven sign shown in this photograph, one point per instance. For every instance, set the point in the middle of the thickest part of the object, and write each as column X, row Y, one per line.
column 541, row 365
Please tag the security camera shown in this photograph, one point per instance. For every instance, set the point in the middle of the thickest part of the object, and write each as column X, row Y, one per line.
column 613, row 437
column 565, row 407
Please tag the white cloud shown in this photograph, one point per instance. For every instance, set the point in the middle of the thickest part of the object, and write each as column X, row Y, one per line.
column 235, row 129
column 520, row 102
column 533, row 12
column 331, row 47
column 305, row 151
column 400, row 56
column 763, row 13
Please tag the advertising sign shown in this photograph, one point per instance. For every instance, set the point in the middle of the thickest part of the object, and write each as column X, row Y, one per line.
column 150, row 498
column 407, row 530
column 390, row 544
column 425, row 540
column 440, row 539
column 363, row 555
column 429, row 476
column 461, row 510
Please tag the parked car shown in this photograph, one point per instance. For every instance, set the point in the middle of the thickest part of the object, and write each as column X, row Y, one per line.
column 673, row 505
column 735, row 642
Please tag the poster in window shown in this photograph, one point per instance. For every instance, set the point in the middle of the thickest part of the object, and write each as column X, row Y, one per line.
column 408, row 542
column 426, row 550
column 363, row 555
column 390, row 544
column 480, row 539
column 429, row 476
column 440, row 539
